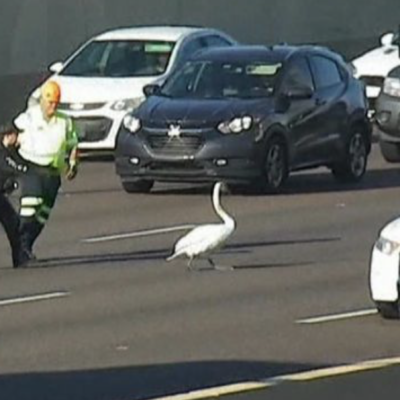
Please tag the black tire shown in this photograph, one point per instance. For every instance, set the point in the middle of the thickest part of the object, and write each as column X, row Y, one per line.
column 275, row 168
column 390, row 151
column 137, row 186
column 388, row 310
column 352, row 168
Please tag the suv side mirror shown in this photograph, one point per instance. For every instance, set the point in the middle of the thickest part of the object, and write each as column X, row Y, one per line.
column 298, row 92
column 151, row 89
column 56, row 67
column 387, row 39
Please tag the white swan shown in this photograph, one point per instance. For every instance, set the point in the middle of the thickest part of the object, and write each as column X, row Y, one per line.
column 204, row 239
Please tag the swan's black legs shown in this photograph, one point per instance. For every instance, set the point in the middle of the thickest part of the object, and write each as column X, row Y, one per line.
column 211, row 262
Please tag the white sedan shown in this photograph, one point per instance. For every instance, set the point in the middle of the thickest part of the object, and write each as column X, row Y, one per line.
column 373, row 66
column 384, row 270
column 104, row 78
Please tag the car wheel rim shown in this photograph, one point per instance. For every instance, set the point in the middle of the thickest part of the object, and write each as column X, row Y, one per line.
column 275, row 165
column 357, row 153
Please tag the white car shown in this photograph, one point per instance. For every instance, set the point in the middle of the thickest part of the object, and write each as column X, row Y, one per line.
column 104, row 78
column 373, row 66
column 384, row 270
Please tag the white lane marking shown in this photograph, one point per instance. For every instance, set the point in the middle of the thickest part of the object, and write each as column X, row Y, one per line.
column 138, row 234
column 32, row 298
column 337, row 317
column 273, row 381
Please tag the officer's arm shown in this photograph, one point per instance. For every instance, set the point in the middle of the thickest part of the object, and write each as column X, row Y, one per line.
column 72, row 150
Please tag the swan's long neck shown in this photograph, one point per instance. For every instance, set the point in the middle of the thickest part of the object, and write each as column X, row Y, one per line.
column 228, row 220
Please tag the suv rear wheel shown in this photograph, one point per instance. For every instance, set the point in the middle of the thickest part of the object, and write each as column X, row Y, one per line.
column 354, row 164
column 390, row 151
column 137, row 186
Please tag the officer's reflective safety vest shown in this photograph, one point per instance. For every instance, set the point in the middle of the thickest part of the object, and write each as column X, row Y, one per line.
column 46, row 143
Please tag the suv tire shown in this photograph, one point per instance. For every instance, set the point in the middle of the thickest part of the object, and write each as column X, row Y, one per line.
column 353, row 166
column 388, row 310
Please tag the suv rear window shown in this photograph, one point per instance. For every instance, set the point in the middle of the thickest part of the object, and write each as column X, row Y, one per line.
column 326, row 72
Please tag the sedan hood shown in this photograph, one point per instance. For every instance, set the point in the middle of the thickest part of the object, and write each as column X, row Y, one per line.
column 392, row 230
column 199, row 111
column 100, row 90
column 377, row 62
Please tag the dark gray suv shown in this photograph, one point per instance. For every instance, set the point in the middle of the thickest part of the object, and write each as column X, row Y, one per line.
column 248, row 115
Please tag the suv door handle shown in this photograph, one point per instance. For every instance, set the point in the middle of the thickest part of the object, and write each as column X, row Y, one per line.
column 320, row 102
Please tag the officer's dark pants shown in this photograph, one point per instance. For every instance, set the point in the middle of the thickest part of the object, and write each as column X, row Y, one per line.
column 39, row 189
column 10, row 221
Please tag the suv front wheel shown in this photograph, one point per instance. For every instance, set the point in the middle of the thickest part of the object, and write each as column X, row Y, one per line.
column 353, row 166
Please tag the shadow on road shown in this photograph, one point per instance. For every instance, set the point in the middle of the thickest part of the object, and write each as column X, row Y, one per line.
column 161, row 254
column 139, row 382
column 305, row 183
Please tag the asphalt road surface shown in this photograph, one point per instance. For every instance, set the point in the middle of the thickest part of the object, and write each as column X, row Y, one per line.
column 111, row 320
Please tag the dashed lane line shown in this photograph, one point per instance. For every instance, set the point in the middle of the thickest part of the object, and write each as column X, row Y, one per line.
column 242, row 387
column 142, row 233
column 33, row 298
column 337, row 317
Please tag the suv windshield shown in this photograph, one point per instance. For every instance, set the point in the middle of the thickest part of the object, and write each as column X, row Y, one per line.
column 215, row 79
column 118, row 58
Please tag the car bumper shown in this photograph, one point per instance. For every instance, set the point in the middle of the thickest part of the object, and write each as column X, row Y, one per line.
column 387, row 118
column 384, row 276
column 232, row 159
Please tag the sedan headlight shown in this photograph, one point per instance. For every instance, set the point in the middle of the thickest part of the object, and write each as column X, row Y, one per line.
column 236, row 125
column 127, row 104
column 391, row 86
column 131, row 123
column 386, row 246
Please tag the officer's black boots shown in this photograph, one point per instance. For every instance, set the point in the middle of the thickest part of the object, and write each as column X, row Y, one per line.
column 29, row 232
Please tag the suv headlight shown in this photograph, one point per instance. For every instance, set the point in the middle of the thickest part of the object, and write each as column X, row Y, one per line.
column 386, row 246
column 131, row 123
column 236, row 125
column 127, row 104
column 391, row 86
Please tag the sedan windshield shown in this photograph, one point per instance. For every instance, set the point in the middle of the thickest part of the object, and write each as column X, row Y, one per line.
column 117, row 58
column 211, row 79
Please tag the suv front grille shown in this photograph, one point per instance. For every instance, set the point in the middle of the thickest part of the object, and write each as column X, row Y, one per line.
column 182, row 145
column 92, row 129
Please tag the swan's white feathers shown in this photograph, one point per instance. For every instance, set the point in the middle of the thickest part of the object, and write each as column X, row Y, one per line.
column 203, row 239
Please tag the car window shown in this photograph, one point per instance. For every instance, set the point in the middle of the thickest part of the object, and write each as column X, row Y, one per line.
column 216, row 41
column 191, row 47
column 394, row 73
column 297, row 74
column 217, row 79
column 326, row 72
column 121, row 58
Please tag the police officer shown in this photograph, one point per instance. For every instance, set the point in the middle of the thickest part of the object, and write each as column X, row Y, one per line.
column 48, row 143
column 10, row 167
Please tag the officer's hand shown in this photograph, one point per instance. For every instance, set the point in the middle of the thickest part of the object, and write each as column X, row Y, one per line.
column 72, row 172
